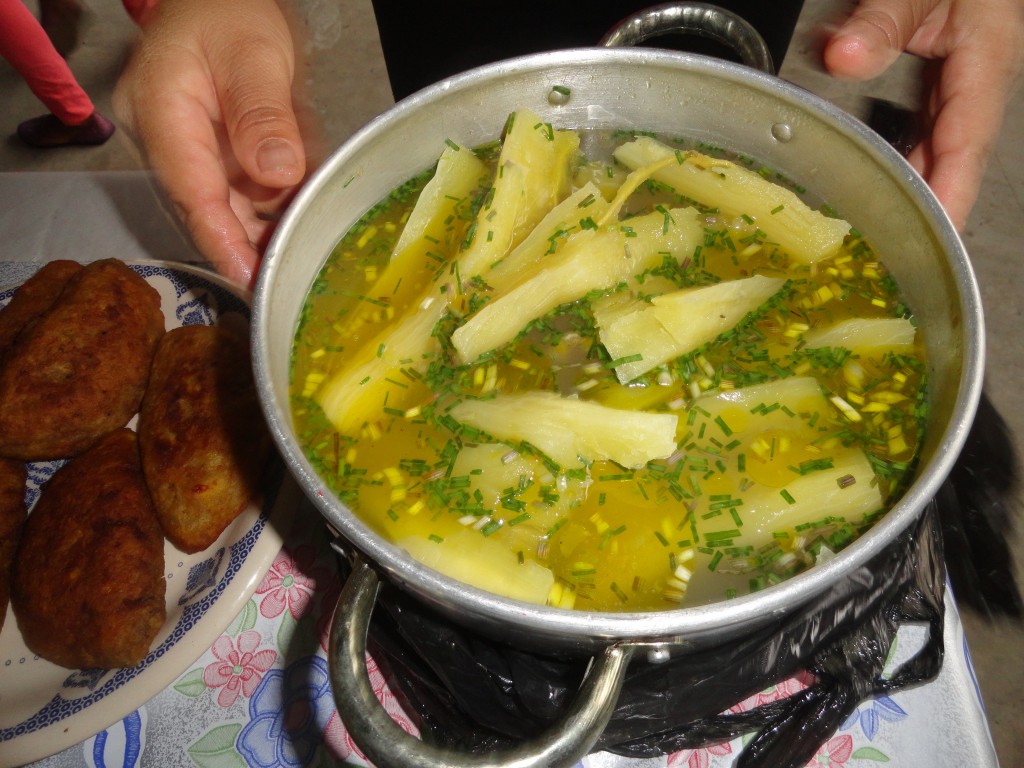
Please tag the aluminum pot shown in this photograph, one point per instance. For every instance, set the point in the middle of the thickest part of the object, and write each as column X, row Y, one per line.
column 833, row 155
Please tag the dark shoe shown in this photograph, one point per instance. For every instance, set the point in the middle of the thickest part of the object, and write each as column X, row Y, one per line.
column 47, row 131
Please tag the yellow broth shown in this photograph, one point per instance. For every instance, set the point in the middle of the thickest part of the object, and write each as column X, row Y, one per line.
column 596, row 535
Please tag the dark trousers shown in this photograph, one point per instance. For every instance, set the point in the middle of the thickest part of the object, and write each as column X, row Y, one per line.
column 425, row 42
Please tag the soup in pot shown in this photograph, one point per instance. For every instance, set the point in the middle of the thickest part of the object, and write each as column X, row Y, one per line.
column 615, row 372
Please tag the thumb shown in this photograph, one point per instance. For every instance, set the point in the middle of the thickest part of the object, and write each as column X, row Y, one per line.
column 254, row 90
column 872, row 38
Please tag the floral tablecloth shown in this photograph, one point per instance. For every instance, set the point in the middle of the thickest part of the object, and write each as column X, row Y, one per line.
column 261, row 695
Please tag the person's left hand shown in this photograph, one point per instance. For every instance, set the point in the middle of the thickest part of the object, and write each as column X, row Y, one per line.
column 980, row 45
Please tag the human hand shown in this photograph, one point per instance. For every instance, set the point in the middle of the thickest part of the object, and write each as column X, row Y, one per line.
column 207, row 93
column 980, row 44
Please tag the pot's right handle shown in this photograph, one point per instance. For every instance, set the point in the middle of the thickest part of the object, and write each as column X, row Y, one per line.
column 383, row 742
column 700, row 19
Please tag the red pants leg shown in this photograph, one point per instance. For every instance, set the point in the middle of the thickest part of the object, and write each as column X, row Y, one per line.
column 27, row 48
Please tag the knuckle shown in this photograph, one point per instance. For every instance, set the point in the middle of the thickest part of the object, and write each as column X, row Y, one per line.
column 263, row 118
column 885, row 23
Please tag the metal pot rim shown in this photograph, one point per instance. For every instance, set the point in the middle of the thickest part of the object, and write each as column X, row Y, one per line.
column 674, row 624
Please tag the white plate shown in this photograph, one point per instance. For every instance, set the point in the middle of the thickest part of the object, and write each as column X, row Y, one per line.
column 45, row 708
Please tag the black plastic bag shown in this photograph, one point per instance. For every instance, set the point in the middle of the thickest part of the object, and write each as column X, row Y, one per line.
column 469, row 692
column 976, row 521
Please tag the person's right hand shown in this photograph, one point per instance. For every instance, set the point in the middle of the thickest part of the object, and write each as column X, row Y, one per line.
column 207, row 93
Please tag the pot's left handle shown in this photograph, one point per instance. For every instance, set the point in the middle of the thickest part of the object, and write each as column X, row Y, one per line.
column 701, row 19
column 385, row 743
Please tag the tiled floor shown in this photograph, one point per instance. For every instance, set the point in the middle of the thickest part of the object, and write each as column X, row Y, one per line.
column 344, row 80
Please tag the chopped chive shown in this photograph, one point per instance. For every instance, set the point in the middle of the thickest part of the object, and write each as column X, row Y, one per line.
column 713, row 536
column 624, row 360
column 813, row 465
column 554, row 529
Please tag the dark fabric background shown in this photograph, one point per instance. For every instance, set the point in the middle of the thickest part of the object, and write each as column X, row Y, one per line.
column 426, row 42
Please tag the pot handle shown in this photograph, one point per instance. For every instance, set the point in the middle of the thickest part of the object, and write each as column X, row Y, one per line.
column 384, row 742
column 700, row 19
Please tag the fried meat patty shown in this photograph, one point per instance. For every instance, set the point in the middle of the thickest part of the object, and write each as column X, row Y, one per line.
column 80, row 370
column 12, row 517
column 88, row 588
column 35, row 296
column 201, row 433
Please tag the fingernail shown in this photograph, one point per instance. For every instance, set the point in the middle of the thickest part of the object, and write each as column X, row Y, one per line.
column 275, row 155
